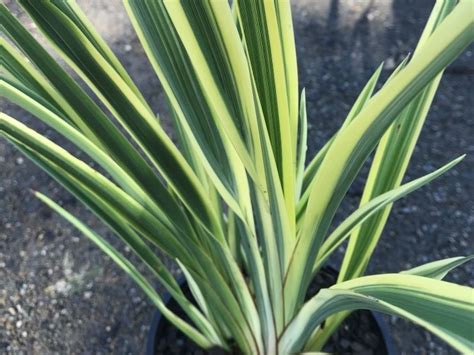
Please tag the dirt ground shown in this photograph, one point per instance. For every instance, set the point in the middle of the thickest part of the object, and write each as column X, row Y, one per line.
column 60, row 295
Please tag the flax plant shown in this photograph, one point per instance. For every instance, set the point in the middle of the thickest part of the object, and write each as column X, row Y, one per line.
column 232, row 200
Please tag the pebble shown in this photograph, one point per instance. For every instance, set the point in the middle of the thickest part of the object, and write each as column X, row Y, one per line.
column 389, row 63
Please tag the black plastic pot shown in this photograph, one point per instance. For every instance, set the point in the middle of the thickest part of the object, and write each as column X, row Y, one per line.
column 160, row 323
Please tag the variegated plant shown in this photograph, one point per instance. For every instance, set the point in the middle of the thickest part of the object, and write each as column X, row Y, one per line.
column 232, row 201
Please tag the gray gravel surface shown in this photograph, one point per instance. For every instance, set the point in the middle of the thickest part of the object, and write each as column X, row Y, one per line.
column 59, row 294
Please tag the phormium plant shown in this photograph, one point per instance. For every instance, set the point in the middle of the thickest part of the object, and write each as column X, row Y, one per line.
column 232, row 201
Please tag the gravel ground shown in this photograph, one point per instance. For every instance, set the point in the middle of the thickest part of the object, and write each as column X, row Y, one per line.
column 59, row 294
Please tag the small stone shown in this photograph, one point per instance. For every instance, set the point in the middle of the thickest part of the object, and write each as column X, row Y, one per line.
column 12, row 311
column 19, row 160
column 18, row 324
column 20, row 309
column 61, row 287
column 87, row 295
column 24, row 334
column 108, row 328
column 389, row 63
column 371, row 16
column 127, row 47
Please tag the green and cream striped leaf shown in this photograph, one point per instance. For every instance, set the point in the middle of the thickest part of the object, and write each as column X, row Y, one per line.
column 169, row 213
column 135, row 274
column 75, row 14
column 315, row 163
column 219, row 60
column 267, row 33
column 440, row 268
column 82, row 110
column 77, row 176
column 443, row 308
column 359, row 104
column 393, row 155
column 365, row 211
column 234, row 310
column 137, row 245
column 92, row 181
column 353, row 145
column 15, row 67
column 77, row 49
column 191, row 115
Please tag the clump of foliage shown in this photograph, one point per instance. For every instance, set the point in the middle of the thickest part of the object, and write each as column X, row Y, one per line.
column 232, row 201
